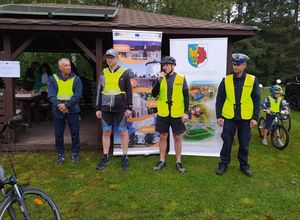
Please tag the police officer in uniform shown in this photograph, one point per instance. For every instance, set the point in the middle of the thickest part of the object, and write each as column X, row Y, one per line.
column 114, row 105
column 64, row 92
column 172, row 110
column 237, row 108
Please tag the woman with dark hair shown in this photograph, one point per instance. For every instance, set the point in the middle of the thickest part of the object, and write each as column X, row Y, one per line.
column 41, row 78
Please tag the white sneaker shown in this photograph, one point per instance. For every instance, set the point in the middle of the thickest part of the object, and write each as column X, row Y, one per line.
column 280, row 142
column 264, row 142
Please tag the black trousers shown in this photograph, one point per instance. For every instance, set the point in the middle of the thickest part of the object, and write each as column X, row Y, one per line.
column 244, row 135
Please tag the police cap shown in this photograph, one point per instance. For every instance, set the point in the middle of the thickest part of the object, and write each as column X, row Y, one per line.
column 238, row 58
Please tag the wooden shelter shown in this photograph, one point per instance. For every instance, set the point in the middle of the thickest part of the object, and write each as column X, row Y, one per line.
column 91, row 36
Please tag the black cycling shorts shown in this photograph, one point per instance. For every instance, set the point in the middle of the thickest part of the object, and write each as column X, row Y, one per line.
column 163, row 125
column 114, row 118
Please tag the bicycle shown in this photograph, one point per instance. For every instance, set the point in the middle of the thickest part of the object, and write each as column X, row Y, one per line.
column 22, row 202
column 279, row 134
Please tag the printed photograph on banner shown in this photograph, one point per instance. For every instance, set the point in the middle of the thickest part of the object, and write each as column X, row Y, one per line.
column 201, row 112
column 141, row 52
column 203, row 62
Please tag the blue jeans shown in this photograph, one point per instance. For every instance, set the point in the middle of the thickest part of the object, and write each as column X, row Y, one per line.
column 59, row 125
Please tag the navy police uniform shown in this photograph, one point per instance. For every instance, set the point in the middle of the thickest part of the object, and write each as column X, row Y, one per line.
column 237, row 123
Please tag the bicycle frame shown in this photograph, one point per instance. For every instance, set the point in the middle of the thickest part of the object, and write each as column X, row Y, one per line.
column 14, row 192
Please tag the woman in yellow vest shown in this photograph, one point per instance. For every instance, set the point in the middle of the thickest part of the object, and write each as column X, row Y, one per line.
column 64, row 92
column 172, row 109
column 237, row 108
column 273, row 103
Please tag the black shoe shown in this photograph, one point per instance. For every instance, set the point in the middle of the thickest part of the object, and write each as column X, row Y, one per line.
column 180, row 168
column 159, row 166
column 247, row 171
column 60, row 159
column 221, row 170
column 75, row 158
column 124, row 163
column 103, row 163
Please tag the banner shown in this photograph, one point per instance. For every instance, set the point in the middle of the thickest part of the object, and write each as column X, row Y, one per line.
column 203, row 63
column 141, row 52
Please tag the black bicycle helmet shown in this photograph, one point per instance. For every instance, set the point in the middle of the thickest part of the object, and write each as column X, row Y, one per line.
column 168, row 59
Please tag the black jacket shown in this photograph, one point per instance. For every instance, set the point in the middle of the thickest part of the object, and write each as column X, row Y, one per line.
column 123, row 101
column 238, row 87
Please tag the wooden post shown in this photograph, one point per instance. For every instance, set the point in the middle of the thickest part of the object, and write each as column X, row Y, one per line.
column 229, row 52
column 99, row 57
column 9, row 92
column 99, row 67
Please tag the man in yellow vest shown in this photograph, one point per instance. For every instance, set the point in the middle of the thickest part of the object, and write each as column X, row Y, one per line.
column 172, row 110
column 64, row 92
column 237, row 108
column 114, row 105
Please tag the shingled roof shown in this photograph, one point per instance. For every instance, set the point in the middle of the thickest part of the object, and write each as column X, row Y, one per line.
column 125, row 19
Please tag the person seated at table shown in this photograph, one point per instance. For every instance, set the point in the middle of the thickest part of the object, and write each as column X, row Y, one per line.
column 29, row 78
column 42, row 78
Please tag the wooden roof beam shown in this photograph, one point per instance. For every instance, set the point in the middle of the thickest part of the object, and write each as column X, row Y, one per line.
column 22, row 47
column 84, row 48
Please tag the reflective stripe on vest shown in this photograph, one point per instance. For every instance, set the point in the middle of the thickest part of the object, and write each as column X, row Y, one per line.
column 111, row 80
column 177, row 107
column 65, row 88
column 275, row 106
column 246, row 101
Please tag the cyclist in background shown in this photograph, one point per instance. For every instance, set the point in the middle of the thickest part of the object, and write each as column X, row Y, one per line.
column 273, row 103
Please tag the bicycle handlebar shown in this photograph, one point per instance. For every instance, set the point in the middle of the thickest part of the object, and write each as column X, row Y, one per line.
column 12, row 123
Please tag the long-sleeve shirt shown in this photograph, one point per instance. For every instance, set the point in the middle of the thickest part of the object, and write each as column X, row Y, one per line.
column 124, row 84
column 73, row 103
column 266, row 104
column 170, row 82
column 238, row 88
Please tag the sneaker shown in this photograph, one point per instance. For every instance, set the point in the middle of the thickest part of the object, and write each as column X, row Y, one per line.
column 124, row 163
column 180, row 168
column 159, row 166
column 75, row 158
column 264, row 142
column 280, row 142
column 60, row 159
column 103, row 163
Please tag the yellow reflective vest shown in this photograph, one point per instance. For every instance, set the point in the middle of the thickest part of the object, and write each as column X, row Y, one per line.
column 111, row 81
column 65, row 88
column 275, row 106
column 177, row 107
column 246, row 102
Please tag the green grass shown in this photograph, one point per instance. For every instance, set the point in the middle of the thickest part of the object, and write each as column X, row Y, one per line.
column 82, row 192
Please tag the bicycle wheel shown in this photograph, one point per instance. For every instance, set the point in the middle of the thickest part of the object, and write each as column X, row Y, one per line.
column 286, row 122
column 261, row 126
column 39, row 205
column 280, row 139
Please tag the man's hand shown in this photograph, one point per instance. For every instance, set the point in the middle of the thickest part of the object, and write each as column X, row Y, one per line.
column 185, row 117
column 268, row 111
column 98, row 114
column 161, row 75
column 253, row 123
column 63, row 108
column 128, row 113
column 220, row 122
